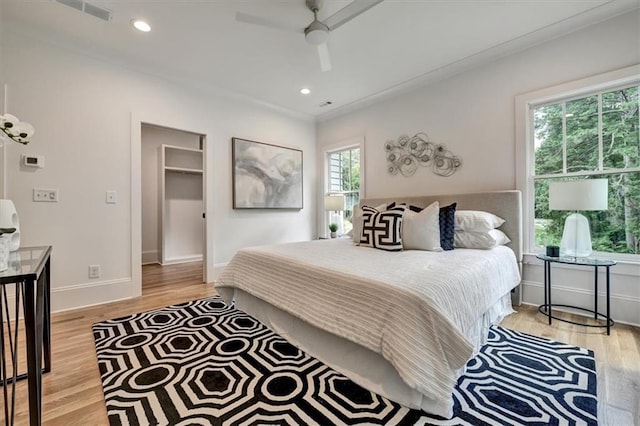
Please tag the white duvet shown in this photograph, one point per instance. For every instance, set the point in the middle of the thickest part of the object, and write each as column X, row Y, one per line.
column 412, row 307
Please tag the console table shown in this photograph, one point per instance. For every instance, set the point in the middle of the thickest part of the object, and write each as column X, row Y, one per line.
column 30, row 271
column 578, row 261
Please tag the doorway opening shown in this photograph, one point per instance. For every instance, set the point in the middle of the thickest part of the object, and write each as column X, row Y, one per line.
column 172, row 205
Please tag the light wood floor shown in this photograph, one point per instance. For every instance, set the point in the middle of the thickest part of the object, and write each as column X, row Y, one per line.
column 72, row 392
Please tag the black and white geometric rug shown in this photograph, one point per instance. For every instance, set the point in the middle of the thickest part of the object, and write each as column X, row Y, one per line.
column 206, row 363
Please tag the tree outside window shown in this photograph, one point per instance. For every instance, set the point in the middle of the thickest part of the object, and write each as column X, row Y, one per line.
column 594, row 136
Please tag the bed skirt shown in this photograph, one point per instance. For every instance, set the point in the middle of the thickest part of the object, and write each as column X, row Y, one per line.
column 363, row 366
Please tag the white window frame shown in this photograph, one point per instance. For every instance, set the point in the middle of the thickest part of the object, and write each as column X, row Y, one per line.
column 524, row 105
column 357, row 142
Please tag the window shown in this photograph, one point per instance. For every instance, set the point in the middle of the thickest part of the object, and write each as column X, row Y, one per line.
column 590, row 135
column 344, row 178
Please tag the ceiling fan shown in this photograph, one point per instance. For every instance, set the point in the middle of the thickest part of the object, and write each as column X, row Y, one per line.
column 317, row 32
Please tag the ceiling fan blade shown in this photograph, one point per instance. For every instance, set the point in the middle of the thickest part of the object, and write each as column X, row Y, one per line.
column 265, row 22
column 347, row 13
column 325, row 58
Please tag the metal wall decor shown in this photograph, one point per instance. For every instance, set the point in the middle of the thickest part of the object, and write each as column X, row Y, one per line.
column 408, row 152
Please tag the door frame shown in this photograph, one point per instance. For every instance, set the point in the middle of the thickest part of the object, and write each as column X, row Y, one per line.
column 175, row 123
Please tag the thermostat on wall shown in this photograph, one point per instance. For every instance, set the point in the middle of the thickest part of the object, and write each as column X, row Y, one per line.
column 33, row 161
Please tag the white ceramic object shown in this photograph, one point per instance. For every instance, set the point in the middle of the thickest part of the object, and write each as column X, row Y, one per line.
column 576, row 237
column 4, row 253
column 9, row 219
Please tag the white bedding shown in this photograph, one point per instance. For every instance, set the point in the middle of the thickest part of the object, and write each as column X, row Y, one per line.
column 415, row 308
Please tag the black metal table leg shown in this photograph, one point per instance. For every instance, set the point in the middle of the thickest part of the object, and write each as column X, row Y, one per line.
column 548, row 285
column 47, row 315
column 33, row 319
column 546, row 301
column 595, row 296
column 608, row 304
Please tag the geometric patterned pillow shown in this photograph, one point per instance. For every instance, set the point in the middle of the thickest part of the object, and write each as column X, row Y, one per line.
column 382, row 230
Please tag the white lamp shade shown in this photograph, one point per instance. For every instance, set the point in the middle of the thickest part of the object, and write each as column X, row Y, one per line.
column 588, row 194
column 334, row 202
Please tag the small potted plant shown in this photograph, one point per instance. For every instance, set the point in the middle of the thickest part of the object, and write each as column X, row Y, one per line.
column 333, row 228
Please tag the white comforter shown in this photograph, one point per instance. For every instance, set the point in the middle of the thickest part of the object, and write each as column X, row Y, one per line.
column 412, row 307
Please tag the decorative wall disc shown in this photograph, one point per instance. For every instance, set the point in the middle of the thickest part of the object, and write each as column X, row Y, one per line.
column 407, row 153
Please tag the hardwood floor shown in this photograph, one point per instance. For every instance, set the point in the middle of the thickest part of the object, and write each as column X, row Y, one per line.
column 72, row 392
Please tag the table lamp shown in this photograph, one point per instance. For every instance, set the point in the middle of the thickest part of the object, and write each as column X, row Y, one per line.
column 335, row 203
column 579, row 195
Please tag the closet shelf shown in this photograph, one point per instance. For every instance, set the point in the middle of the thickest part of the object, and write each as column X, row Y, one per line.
column 182, row 170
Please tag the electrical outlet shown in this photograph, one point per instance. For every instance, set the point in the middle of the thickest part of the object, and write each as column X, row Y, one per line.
column 45, row 195
column 94, row 271
column 112, row 197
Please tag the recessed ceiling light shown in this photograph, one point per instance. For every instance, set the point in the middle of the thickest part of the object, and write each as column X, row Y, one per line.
column 305, row 91
column 140, row 25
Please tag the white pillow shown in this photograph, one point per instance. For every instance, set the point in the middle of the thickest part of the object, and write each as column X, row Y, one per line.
column 477, row 221
column 356, row 231
column 421, row 231
column 480, row 240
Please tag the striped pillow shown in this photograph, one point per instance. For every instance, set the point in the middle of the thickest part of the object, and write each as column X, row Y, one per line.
column 382, row 230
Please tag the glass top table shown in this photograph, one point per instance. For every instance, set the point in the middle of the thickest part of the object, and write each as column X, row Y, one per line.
column 570, row 260
column 546, row 308
column 25, row 263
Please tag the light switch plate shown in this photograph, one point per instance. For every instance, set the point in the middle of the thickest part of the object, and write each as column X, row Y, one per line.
column 41, row 195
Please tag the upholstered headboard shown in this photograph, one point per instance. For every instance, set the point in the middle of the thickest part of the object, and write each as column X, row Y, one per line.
column 506, row 204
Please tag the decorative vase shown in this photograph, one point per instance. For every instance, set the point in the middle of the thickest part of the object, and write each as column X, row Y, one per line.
column 334, row 234
column 9, row 219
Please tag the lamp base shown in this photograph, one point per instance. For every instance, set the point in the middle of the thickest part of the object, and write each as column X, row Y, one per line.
column 576, row 237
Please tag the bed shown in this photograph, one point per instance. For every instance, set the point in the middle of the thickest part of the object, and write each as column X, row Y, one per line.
column 369, row 314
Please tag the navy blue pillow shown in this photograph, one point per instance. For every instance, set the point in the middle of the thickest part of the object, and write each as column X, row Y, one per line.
column 447, row 226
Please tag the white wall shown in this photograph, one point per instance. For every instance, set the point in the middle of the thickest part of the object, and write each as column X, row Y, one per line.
column 82, row 111
column 152, row 139
column 473, row 114
column 2, row 111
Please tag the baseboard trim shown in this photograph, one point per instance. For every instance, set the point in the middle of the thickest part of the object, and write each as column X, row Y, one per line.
column 182, row 259
column 150, row 256
column 90, row 294
column 624, row 309
column 83, row 295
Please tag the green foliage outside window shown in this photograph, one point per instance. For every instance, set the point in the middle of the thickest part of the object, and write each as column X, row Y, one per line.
column 576, row 138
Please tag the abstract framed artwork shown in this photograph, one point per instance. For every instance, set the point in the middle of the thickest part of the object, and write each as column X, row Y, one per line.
column 266, row 176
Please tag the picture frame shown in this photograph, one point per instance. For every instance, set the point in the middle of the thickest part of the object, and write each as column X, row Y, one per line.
column 266, row 176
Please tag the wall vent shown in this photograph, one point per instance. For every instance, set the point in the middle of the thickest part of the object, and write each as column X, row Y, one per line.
column 325, row 103
column 88, row 8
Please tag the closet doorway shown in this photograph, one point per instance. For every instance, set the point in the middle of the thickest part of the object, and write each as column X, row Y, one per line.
column 173, row 204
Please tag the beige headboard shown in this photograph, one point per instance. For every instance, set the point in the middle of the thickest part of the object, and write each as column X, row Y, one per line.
column 506, row 204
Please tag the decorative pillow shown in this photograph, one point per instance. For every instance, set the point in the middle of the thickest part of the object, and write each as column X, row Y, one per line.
column 421, row 230
column 480, row 240
column 382, row 230
column 447, row 226
column 477, row 221
column 357, row 220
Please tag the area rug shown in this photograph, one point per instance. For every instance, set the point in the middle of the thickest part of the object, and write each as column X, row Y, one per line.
column 207, row 363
